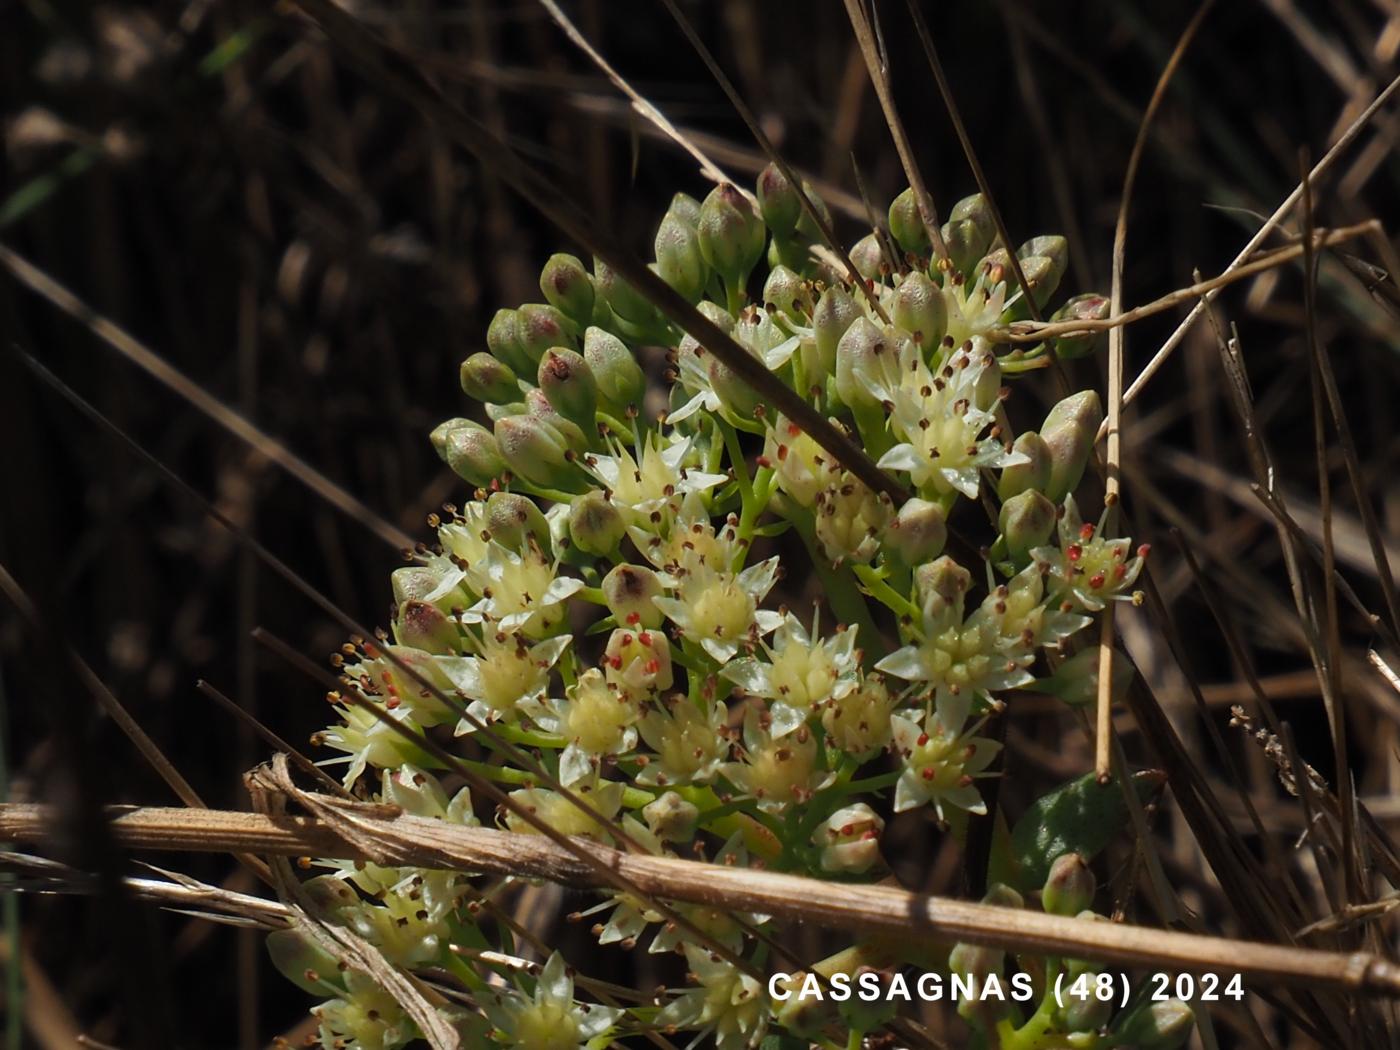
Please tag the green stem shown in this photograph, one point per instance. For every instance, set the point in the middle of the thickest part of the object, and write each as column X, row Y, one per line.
column 885, row 594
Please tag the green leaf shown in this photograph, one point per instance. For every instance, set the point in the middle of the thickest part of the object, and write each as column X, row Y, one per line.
column 1078, row 817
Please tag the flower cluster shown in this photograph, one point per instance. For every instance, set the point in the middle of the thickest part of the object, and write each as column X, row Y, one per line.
column 606, row 601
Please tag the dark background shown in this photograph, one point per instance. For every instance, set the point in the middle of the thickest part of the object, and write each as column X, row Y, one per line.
column 212, row 178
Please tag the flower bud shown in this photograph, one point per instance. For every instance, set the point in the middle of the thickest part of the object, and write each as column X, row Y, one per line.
column 671, row 818
column 573, row 435
column 917, row 533
column 486, row 378
column 1087, row 1013
column 1026, row 522
column 503, row 339
column 850, row 518
column 835, row 312
column 857, row 352
column 444, row 430
column 615, row 370
column 778, row 202
column 808, row 230
column 543, row 327
column 1069, row 433
column 907, row 225
column 412, row 583
column 628, row 591
column 567, row 286
column 678, row 258
column 1054, row 249
column 513, row 519
column 1088, row 307
column 595, row 525
column 732, row 236
column 867, row 257
column 426, row 627
column 473, row 454
column 535, row 451
column 786, row 290
column 1020, row 477
column 978, row 966
column 626, row 302
column 968, row 231
column 1040, row 278
column 569, row 386
column 850, row 839
column 1162, row 1025
column 733, row 391
column 1003, row 896
column 1070, row 886
column 305, row 963
column 941, row 584
column 686, row 208
column 920, row 309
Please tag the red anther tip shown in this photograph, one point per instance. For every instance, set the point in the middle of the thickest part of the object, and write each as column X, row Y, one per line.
column 1096, row 580
column 1144, row 550
column 1074, row 552
column 923, row 739
column 1086, row 531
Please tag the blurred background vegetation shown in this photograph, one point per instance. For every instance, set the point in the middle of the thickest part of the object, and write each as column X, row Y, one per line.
column 211, row 177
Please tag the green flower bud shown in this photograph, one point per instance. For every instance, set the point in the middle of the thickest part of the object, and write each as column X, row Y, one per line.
column 615, row 370
column 1070, row 886
column 787, row 291
column 977, row 965
column 1069, row 433
column 731, row 234
column 1040, row 277
column 835, row 312
column 504, row 340
column 573, row 435
column 1026, row 522
column 541, row 328
column 678, row 258
column 907, row 225
column 968, row 232
column 305, row 963
column 1162, row 1025
column 568, row 287
column 941, row 583
column 1086, row 1014
column 867, row 257
column 444, row 430
column 921, row 310
column 412, row 583
column 1053, row 248
column 671, row 818
column 426, row 627
column 626, row 302
column 918, row 532
column 1003, row 896
column 513, row 408
column 485, row 378
column 473, row 455
column 858, row 350
column 808, row 230
column 686, row 208
column 778, row 202
column 569, row 386
column 595, row 525
column 804, row 1016
column 733, row 391
column 1023, row 476
column 513, row 520
column 535, row 451
column 1088, row 307
column 629, row 590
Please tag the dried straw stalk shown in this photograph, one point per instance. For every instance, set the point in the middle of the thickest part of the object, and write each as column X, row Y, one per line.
column 381, row 834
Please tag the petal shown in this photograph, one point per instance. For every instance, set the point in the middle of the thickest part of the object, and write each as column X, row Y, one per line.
column 907, row 663
column 901, row 457
column 749, row 675
column 758, row 579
